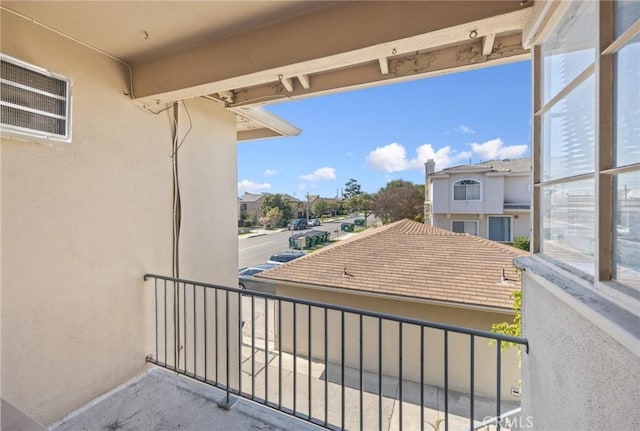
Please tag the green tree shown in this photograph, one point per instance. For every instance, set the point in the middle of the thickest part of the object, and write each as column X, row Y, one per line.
column 335, row 207
column 320, row 206
column 351, row 188
column 273, row 217
column 277, row 201
column 360, row 202
column 398, row 200
column 244, row 214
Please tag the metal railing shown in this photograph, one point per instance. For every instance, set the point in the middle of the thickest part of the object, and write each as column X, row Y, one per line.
column 310, row 354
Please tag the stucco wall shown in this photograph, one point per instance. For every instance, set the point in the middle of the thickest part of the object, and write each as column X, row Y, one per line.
column 440, row 195
column 522, row 224
column 82, row 222
column 459, row 350
column 578, row 377
column 517, row 189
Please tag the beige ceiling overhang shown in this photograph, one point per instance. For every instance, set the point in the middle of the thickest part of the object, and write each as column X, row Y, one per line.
column 251, row 53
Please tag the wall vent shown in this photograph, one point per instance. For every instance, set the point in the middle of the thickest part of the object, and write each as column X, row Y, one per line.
column 34, row 101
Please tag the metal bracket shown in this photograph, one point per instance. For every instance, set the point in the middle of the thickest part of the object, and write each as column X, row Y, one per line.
column 228, row 402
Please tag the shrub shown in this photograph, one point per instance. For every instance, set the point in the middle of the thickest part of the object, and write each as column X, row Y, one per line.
column 522, row 242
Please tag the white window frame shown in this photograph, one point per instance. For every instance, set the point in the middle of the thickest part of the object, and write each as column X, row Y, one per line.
column 510, row 226
column 453, row 188
column 466, row 221
column 605, row 169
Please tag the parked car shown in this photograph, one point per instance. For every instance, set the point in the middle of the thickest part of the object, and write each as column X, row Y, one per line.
column 314, row 222
column 245, row 275
column 298, row 224
column 285, row 256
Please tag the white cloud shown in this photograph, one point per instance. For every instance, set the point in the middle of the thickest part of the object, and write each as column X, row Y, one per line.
column 302, row 186
column 393, row 157
column 270, row 172
column 321, row 174
column 252, row 187
column 465, row 129
column 495, row 149
column 390, row 158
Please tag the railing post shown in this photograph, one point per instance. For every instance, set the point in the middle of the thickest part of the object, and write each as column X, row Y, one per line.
column 498, row 382
column 471, row 383
column 446, row 381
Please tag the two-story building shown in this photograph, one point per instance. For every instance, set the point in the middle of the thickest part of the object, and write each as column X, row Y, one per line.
column 490, row 199
column 251, row 205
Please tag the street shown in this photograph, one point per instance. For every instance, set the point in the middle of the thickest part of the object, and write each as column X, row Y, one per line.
column 254, row 250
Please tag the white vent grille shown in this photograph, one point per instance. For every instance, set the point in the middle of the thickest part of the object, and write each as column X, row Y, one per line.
column 34, row 101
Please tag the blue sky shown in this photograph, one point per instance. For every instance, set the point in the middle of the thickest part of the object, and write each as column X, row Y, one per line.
column 385, row 133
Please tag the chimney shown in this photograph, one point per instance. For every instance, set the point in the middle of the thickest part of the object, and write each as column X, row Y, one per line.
column 429, row 169
column 430, row 166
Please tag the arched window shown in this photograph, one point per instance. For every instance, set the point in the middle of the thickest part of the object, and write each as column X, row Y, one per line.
column 466, row 190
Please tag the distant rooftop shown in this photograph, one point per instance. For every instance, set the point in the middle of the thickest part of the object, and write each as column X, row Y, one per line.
column 251, row 197
column 505, row 165
column 410, row 259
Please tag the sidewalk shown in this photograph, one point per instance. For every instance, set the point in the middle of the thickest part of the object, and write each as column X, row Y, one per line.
column 323, row 377
column 326, row 396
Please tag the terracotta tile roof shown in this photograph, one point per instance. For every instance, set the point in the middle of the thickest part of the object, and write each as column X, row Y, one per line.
column 411, row 259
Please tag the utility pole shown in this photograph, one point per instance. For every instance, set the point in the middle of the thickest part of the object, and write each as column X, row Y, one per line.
column 307, row 207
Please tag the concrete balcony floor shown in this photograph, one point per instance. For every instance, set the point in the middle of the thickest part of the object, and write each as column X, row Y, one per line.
column 161, row 400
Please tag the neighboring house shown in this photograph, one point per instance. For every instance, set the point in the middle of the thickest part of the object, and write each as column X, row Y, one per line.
column 490, row 199
column 298, row 207
column 413, row 270
column 252, row 204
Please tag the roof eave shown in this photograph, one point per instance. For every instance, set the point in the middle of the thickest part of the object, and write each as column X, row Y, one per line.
column 413, row 299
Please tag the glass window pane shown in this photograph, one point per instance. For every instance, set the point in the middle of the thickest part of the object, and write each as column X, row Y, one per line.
column 459, row 193
column 568, row 134
column 473, row 192
column 626, row 63
column 568, row 223
column 627, row 229
column 465, row 227
column 457, row 226
column 500, row 229
column 570, row 49
column 625, row 13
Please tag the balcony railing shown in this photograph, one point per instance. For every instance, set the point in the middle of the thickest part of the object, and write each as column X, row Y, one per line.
column 329, row 364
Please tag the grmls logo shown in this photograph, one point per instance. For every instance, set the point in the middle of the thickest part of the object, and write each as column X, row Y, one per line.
column 512, row 423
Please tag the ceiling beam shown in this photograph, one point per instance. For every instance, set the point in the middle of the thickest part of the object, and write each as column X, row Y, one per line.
column 487, row 44
column 467, row 56
column 304, row 81
column 352, row 33
column 384, row 65
column 287, row 83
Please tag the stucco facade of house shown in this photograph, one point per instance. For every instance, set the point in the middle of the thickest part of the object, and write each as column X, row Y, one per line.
column 490, row 199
